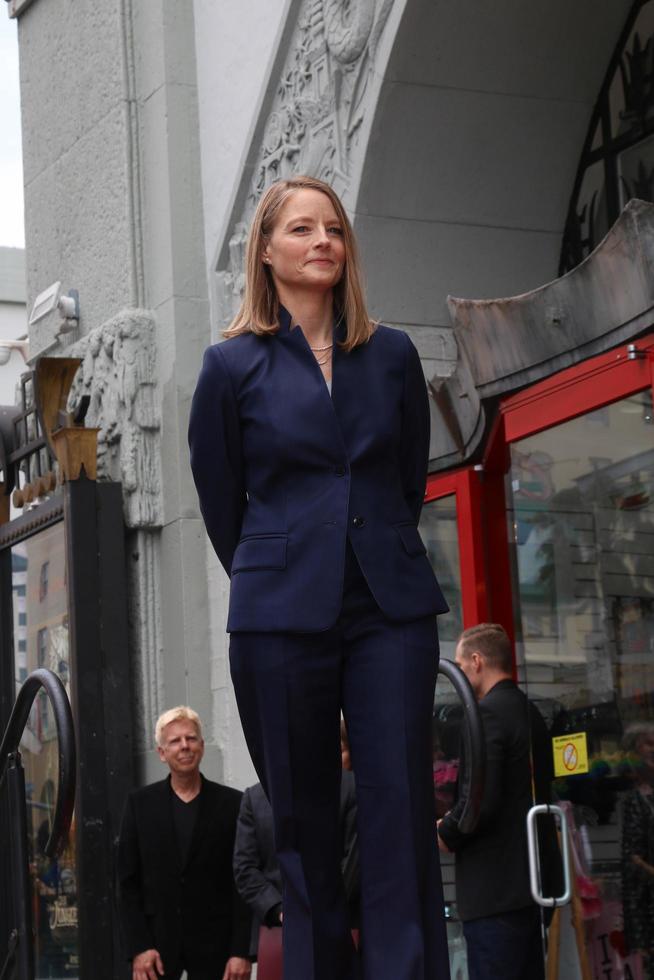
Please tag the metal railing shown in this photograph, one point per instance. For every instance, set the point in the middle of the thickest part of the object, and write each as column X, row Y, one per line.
column 473, row 769
column 19, row 961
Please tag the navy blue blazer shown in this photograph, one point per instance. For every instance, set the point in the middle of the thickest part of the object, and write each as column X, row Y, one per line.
column 285, row 473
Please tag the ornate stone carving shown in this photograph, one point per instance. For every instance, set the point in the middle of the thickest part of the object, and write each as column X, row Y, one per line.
column 317, row 113
column 118, row 373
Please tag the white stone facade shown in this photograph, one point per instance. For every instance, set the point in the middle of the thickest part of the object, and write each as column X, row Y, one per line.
column 150, row 128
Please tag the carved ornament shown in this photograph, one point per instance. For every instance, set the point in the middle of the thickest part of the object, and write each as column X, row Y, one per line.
column 118, row 376
column 320, row 103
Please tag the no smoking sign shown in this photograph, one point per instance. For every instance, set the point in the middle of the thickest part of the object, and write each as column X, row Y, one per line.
column 570, row 754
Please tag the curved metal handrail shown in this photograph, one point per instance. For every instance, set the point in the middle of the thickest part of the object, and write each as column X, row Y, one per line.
column 42, row 678
column 473, row 773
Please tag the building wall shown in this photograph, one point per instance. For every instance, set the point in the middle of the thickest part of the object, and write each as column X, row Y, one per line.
column 114, row 209
column 236, row 45
column 453, row 133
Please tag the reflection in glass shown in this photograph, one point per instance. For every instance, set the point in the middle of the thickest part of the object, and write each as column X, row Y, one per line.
column 638, row 840
column 616, row 162
column 446, row 749
column 636, row 168
column 40, row 607
column 581, row 522
column 439, row 532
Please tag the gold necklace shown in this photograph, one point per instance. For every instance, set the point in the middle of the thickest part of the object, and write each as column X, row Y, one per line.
column 319, row 350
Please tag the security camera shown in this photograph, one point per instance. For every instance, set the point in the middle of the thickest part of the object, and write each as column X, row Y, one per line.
column 7, row 346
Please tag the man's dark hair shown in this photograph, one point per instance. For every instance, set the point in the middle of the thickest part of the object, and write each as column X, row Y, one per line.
column 492, row 642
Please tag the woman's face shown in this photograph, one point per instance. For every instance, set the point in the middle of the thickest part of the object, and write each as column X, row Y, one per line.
column 306, row 248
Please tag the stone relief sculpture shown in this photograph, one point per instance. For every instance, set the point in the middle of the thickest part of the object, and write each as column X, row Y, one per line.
column 118, row 374
column 317, row 113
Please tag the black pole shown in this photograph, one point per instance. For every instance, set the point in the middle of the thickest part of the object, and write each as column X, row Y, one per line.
column 473, row 777
column 24, row 948
column 21, row 952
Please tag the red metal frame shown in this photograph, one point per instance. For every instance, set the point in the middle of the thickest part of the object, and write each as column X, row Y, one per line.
column 579, row 389
column 465, row 486
column 480, row 491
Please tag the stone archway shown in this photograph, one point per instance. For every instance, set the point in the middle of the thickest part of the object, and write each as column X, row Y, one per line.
column 452, row 132
column 473, row 150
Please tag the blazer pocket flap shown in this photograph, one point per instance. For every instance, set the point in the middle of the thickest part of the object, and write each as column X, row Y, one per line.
column 411, row 539
column 260, row 552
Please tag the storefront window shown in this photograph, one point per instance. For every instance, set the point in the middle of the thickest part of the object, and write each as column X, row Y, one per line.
column 41, row 640
column 446, row 746
column 438, row 527
column 581, row 521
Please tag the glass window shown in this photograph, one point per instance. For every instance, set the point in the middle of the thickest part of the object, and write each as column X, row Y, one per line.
column 581, row 522
column 616, row 163
column 41, row 640
column 42, row 647
column 439, row 532
column 446, row 741
column 43, row 580
column 582, row 525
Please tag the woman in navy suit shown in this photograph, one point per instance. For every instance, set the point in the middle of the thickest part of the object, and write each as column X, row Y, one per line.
column 309, row 439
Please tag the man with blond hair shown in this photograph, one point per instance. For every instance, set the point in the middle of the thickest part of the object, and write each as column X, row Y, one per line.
column 178, row 904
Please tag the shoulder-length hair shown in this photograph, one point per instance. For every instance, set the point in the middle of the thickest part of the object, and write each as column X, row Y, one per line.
column 259, row 312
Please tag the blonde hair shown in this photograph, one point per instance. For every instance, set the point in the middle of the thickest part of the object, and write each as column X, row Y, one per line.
column 180, row 713
column 259, row 312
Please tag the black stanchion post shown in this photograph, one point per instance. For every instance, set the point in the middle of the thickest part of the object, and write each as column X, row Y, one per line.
column 24, row 950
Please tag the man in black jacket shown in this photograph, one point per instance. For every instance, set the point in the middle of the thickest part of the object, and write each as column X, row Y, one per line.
column 178, row 903
column 501, row 922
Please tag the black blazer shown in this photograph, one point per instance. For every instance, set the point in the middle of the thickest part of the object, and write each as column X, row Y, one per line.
column 194, row 909
column 492, row 867
column 285, row 473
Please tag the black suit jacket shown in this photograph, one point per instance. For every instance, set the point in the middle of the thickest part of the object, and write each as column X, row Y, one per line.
column 192, row 910
column 256, row 869
column 492, row 868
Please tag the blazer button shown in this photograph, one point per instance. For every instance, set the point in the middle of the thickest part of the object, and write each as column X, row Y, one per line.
column 358, row 521
column 339, row 470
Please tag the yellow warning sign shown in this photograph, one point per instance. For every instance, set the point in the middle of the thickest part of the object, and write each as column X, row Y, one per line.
column 570, row 754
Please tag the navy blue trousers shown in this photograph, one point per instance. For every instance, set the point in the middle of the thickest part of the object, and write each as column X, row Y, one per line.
column 506, row 946
column 290, row 689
